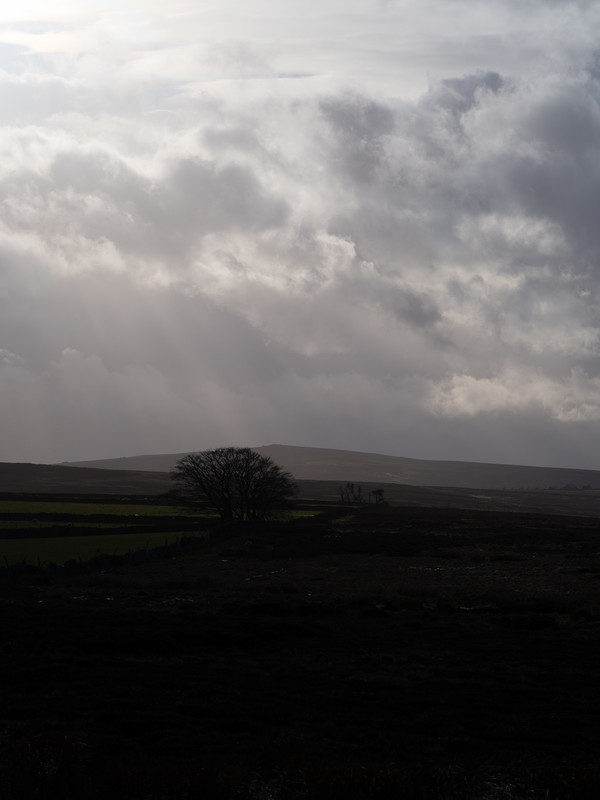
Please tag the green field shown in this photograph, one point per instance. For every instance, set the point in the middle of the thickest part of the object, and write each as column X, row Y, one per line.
column 122, row 536
column 41, row 524
column 34, row 507
column 68, row 507
column 60, row 549
column 34, row 548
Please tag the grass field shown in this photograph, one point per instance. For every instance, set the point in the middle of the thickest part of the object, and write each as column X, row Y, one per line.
column 58, row 550
column 36, row 531
column 27, row 537
column 26, row 525
column 69, row 507
column 34, row 507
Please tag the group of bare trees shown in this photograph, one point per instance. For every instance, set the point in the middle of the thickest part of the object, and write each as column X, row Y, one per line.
column 353, row 493
column 239, row 483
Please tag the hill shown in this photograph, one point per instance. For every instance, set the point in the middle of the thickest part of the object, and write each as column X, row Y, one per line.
column 59, row 479
column 320, row 464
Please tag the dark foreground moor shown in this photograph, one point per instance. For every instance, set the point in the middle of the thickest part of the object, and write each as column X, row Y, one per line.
column 392, row 653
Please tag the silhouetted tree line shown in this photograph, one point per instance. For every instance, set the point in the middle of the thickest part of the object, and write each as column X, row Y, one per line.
column 353, row 493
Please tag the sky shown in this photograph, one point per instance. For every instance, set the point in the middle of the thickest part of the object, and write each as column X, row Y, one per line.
column 368, row 225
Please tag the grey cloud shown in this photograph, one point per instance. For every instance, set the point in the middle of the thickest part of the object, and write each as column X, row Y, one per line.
column 197, row 195
column 121, row 364
column 91, row 192
column 238, row 139
column 417, row 310
column 125, row 324
column 543, row 205
column 564, row 191
column 568, row 122
column 358, row 126
column 459, row 95
column 358, row 118
column 540, row 4
column 416, row 277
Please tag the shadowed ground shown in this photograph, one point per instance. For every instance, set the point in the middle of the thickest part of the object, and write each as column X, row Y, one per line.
column 378, row 653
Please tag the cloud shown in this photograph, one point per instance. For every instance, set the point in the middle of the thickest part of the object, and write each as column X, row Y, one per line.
column 573, row 400
column 196, row 252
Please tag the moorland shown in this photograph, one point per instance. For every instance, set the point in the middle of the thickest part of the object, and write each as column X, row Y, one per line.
column 446, row 645
column 323, row 464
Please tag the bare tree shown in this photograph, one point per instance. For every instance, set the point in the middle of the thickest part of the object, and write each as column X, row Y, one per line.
column 237, row 482
column 378, row 496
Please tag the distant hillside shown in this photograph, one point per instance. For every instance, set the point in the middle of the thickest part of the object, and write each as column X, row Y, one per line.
column 315, row 463
column 57, row 478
